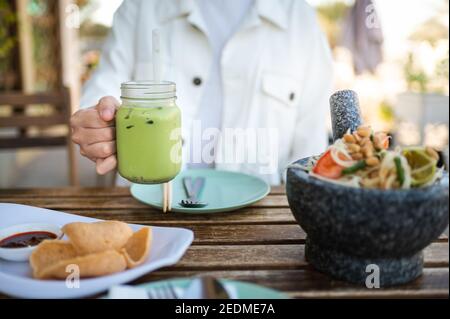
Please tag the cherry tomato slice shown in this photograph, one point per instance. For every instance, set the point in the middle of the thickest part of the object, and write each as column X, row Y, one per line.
column 327, row 167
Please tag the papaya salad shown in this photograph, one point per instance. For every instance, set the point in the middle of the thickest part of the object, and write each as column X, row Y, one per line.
column 363, row 159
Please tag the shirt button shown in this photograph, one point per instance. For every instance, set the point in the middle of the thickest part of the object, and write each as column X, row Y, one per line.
column 197, row 81
column 292, row 96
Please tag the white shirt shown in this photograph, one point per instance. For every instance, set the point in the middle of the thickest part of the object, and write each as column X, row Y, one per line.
column 222, row 18
column 276, row 72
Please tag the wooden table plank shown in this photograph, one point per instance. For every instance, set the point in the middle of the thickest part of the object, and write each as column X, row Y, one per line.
column 255, row 234
column 106, row 202
column 76, row 192
column 232, row 257
column 436, row 255
column 248, row 235
column 247, row 216
column 308, row 283
column 399, row 293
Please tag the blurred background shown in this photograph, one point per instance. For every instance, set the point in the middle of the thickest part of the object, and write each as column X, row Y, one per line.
column 49, row 48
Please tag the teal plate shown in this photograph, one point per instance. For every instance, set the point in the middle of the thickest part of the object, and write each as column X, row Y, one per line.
column 224, row 191
column 243, row 290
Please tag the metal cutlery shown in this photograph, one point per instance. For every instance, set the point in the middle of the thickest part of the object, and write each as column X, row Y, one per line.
column 193, row 191
column 164, row 292
column 206, row 287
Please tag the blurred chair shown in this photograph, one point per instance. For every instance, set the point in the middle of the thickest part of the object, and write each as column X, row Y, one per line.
column 21, row 122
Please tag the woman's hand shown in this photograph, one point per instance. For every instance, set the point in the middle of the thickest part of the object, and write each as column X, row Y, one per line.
column 93, row 129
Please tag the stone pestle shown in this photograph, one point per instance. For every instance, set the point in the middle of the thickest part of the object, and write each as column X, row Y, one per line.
column 345, row 112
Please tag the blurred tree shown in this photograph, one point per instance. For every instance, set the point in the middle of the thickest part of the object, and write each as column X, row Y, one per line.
column 431, row 31
column 441, row 75
column 46, row 43
column 8, row 43
column 416, row 78
column 435, row 32
column 434, row 29
column 93, row 35
column 89, row 28
column 331, row 15
column 94, row 30
column 442, row 68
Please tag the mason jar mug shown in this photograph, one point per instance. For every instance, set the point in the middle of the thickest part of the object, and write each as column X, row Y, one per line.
column 148, row 132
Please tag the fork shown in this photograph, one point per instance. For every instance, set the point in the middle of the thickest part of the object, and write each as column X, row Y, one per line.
column 193, row 191
column 164, row 292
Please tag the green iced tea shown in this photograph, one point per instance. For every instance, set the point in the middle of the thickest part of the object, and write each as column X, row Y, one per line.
column 148, row 133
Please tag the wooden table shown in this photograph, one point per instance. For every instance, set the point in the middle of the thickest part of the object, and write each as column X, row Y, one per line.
column 261, row 244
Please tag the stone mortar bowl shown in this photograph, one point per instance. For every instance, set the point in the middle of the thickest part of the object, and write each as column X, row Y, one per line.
column 349, row 230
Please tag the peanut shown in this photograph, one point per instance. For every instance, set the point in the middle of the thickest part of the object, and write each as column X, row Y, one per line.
column 357, row 156
column 354, row 148
column 364, row 131
column 357, row 137
column 373, row 161
column 367, row 150
column 365, row 141
column 349, row 138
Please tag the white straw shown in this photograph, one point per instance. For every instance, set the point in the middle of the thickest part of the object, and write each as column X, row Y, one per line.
column 156, row 51
column 164, row 187
column 156, row 48
column 169, row 196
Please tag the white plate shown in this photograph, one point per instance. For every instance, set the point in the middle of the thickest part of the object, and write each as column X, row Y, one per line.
column 168, row 246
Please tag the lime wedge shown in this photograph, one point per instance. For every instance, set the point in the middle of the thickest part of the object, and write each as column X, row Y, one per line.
column 423, row 166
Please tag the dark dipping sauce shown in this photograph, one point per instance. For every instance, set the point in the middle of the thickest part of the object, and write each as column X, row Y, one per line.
column 23, row 240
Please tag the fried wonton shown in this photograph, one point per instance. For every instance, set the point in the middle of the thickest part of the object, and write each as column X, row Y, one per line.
column 50, row 252
column 89, row 238
column 93, row 249
column 137, row 248
column 93, row 265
